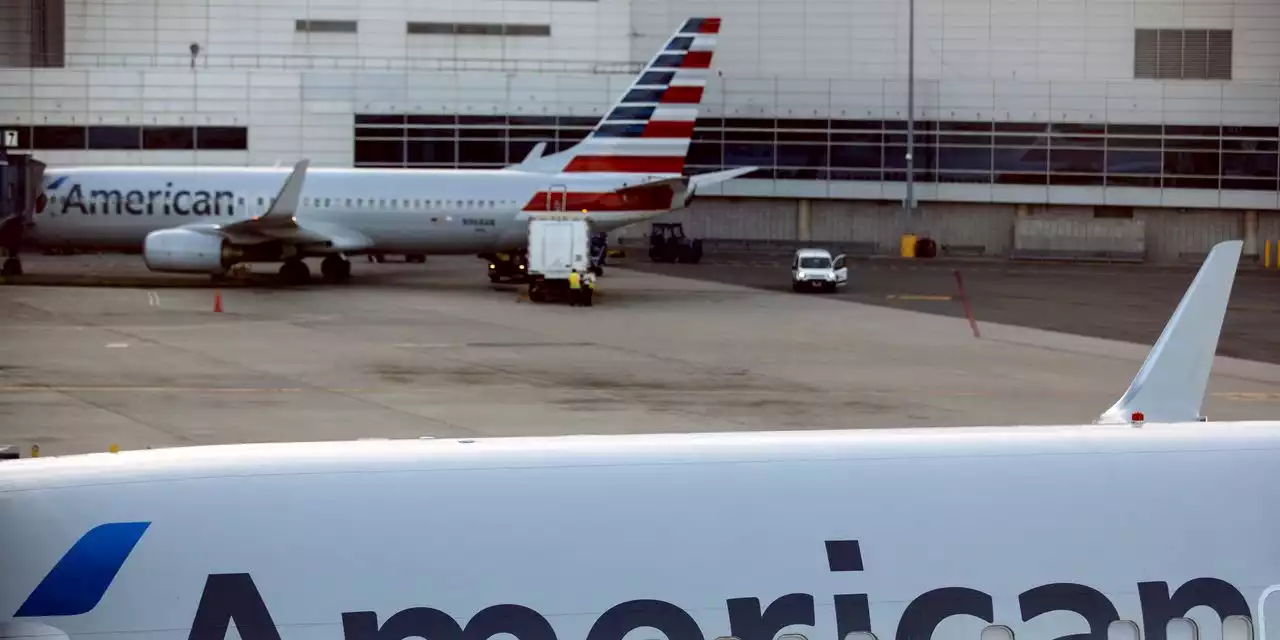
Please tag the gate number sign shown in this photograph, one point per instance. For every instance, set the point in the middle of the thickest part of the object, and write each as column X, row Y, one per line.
column 10, row 138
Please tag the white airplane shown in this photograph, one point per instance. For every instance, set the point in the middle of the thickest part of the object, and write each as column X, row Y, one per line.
column 206, row 219
column 1135, row 526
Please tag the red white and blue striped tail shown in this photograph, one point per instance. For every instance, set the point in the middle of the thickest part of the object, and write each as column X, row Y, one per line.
column 649, row 128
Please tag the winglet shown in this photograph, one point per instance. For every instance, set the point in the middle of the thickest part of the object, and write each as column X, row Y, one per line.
column 534, row 154
column 1171, row 384
column 286, row 202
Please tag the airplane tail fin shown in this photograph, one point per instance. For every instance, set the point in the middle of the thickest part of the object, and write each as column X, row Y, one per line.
column 649, row 128
column 1171, row 384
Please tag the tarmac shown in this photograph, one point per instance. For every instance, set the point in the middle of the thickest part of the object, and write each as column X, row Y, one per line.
column 1123, row 302
column 412, row 350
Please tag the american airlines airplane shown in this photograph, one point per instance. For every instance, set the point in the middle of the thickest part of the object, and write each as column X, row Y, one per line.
column 1148, row 523
column 207, row 219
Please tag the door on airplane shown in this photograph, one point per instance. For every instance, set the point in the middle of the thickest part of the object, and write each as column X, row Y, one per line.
column 557, row 197
column 1267, row 612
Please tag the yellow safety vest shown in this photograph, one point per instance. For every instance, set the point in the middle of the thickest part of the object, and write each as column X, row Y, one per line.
column 575, row 280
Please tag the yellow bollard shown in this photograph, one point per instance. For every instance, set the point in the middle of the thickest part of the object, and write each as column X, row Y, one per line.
column 35, row 451
column 908, row 245
column 1266, row 254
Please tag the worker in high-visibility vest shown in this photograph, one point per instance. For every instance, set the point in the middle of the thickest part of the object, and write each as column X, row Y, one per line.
column 575, row 287
column 588, row 287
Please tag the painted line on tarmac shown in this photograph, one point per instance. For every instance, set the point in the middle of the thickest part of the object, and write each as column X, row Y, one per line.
column 1250, row 396
column 895, row 296
column 30, row 388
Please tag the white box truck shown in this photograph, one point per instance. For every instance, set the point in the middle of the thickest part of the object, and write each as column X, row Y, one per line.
column 558, row 245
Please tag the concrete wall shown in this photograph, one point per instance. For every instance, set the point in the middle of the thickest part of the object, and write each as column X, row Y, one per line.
column 1170, row 236
column 1000, row 60
column 260, row 33
column 967, row 40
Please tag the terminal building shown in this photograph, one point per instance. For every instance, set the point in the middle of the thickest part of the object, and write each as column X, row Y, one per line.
column 1131, row 126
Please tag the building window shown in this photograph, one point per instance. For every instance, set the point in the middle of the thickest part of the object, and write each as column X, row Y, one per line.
column 116, row 137
column 324, row 26
column 168, row 138
column 972, row 152
column 477, row 29
column 1182, row 54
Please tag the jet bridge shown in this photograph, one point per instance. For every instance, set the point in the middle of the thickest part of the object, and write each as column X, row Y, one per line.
column 21, row 181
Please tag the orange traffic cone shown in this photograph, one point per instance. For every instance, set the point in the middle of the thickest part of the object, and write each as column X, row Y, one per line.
column 217, row 302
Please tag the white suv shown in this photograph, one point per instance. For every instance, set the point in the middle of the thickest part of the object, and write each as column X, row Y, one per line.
column 815, row 269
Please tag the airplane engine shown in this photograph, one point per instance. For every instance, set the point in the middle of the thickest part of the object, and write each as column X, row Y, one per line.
column 186, row 251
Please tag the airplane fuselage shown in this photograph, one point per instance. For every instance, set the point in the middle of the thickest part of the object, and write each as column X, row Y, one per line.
column 908, row 534
column 400, row 210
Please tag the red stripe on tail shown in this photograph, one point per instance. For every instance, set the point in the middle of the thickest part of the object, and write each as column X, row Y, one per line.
column 710, row 25
column 667, row 129
column 696, row 60
column 626, row 164
column 682, row 95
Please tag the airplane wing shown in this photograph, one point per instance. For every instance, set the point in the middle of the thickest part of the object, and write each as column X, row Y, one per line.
column 280, row 223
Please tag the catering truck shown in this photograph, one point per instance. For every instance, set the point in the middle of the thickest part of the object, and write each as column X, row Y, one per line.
column 558, row 246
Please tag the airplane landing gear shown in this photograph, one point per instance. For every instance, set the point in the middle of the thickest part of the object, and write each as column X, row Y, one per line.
column 295, row 272
column 335, row 269
column 12, row 267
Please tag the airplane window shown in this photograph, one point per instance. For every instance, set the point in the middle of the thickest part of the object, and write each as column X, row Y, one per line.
column 348, row 202
column 1123, row 630
column 996, row 632
column 360, row 201
column 242, row 201
column 326, row 202
column 393, row 204
column 406, row 204
column 306, row 201
column 1237, row 628
column 490, row 204
column 259, row 201
column 1183, row 629
column 382, row 202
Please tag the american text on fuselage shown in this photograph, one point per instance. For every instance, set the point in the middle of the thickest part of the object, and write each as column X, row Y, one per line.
column 153, row 202
column 234, row 598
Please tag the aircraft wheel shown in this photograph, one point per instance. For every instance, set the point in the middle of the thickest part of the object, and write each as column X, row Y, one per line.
column 295, row 272
column 335, row 269
column 12, row 267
